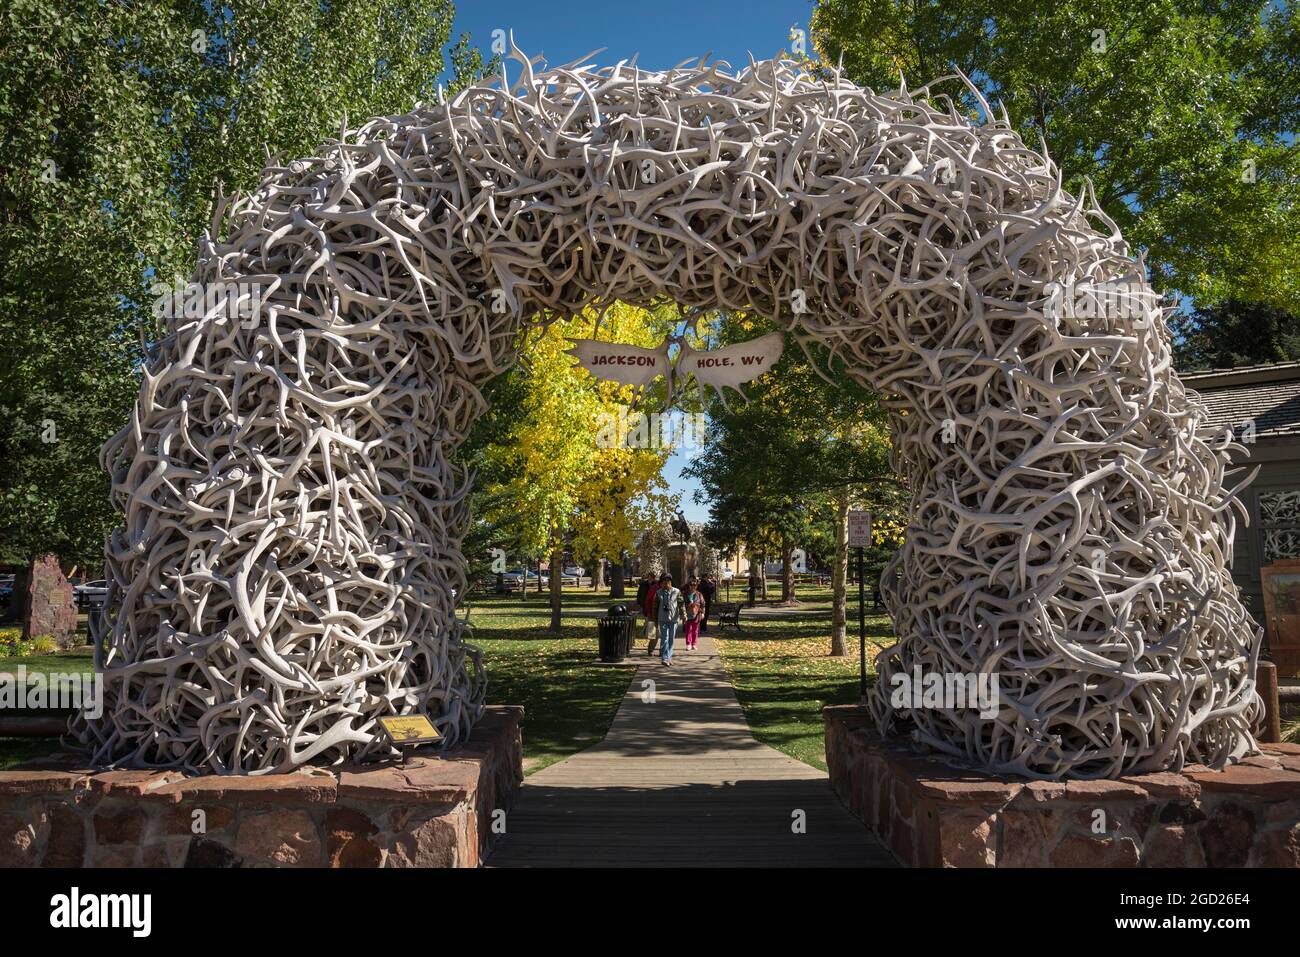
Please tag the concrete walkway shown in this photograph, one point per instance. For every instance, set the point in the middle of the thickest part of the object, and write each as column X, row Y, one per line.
column 680, row 781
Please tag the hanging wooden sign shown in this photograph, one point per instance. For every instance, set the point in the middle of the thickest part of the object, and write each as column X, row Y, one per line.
column 727, row 367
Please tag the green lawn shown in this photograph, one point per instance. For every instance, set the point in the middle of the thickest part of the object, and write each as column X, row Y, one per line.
column 62, row 663
column 784, row 674
column 1291, row 723
column 15, row 751
column 569, row 698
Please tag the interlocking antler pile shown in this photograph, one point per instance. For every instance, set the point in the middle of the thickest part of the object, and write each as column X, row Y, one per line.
column 293, row 528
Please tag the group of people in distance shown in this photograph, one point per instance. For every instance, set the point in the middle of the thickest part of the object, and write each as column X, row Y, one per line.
column 666, row 607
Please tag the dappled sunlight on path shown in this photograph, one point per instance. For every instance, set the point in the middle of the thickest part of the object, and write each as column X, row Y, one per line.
column 679, row 780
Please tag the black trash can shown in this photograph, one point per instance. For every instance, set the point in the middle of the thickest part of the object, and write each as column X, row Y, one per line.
column 615, row 636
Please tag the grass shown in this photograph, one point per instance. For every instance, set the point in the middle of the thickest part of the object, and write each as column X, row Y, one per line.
column 781, row 669
column 784, row 674
column 1290, row 715
column 14, row 751
column 65, row 662
column 569, row 698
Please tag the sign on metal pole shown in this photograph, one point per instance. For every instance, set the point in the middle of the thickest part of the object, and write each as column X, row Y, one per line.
column 859, row 529
column 860, row 538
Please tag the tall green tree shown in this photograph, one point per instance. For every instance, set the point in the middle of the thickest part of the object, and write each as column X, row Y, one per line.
column 781, row 469
column 119, row 124
column 560, row 477
column 1180, row 111
column 1234, row 333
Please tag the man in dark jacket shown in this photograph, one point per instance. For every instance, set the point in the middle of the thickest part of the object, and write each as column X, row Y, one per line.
column 708, row 588
column 645, row 597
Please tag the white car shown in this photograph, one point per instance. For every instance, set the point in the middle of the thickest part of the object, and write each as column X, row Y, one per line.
column 91, row 594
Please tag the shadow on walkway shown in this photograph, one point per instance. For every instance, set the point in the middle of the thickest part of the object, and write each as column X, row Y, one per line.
column 783, row 823
column 680, row 781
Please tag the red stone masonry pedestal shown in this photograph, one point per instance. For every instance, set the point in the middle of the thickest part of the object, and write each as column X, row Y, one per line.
column 435, row 811
column 933, row 814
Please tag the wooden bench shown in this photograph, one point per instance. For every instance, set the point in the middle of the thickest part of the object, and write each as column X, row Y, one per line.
column 728, row 613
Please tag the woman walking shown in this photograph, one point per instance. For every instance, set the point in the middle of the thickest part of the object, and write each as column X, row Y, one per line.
column 694, row 613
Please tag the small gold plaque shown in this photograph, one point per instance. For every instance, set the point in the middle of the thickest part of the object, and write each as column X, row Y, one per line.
column 409, row 730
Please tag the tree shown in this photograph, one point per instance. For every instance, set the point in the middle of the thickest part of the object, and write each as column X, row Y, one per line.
column 1234, row 333
column 119, row 124
column 557, row 478
column 775, row 467
column 1181, row 112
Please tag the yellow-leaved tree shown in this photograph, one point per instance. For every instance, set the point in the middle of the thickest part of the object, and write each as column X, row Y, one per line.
column 561, row 483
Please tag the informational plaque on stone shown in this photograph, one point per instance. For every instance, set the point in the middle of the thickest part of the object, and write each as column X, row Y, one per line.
column 859, row 529
column 408, row 731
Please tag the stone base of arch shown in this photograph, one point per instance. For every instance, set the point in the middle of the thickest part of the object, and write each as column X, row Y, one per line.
column 930, row 813
column 437, row 810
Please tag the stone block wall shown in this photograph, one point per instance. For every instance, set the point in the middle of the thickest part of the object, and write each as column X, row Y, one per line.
column 932, row 814
column 435, row 811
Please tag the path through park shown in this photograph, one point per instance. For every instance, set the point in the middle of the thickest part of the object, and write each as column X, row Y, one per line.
column 680, row 781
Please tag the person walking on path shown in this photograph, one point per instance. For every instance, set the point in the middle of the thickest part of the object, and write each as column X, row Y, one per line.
column 708, row 588
column 670, row 610
column 694, row 600
column 645, row 596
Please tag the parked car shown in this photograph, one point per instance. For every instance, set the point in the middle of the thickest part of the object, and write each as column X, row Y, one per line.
column 518, row 577
column 91, row 594
column 6, row 588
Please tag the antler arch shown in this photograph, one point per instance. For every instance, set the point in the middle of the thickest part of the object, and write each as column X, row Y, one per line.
column 293, row 527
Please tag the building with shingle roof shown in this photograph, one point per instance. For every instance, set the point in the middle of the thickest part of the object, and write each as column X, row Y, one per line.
column 1261, row 404
column 1267, row 396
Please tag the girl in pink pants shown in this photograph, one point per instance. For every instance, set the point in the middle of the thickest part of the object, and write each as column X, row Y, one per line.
column 694, row 612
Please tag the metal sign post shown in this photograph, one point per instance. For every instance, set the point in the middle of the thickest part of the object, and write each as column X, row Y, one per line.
column 859, row 538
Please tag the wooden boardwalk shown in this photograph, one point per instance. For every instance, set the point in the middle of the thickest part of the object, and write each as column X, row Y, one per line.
column 680, row 781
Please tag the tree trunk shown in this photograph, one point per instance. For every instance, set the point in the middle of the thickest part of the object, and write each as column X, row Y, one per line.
column 787, row 571
column 539, row 576
column 762, row 575
column 17, row 607
column 598, row 576
column 840, row 575
column 557, row 567
column 616, row 579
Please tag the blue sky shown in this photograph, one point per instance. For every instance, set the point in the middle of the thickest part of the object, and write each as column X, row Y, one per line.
column 664, row 33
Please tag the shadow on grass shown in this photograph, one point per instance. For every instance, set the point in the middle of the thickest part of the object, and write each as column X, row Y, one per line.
column 14, row 751
column 783, row 688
